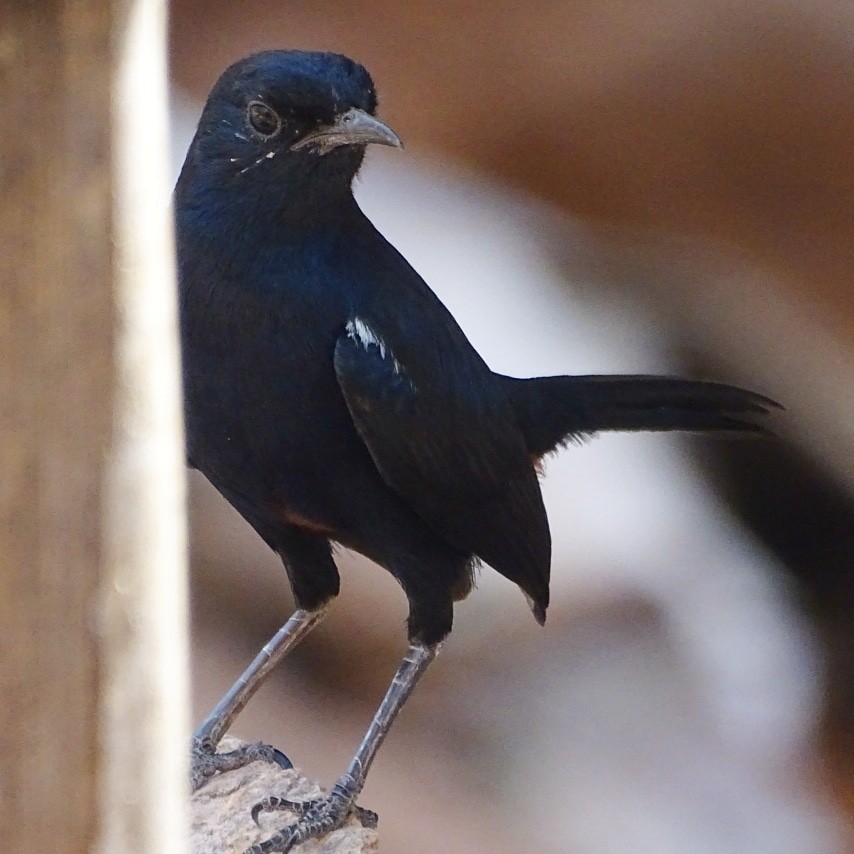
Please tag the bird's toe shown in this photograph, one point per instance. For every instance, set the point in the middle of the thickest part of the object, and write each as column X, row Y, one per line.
column 205, row 761
column 315, row 818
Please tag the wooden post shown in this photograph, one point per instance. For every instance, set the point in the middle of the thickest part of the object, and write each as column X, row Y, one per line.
column 92, row 570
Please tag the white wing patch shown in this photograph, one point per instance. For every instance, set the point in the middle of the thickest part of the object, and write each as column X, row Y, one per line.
column 362, row 334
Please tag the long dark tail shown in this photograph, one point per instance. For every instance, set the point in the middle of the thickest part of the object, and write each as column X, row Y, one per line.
column 554, row 410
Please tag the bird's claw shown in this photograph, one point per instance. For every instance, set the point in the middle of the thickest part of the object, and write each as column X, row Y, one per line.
column 367, row 818
column 205, row 761
column 316, row 818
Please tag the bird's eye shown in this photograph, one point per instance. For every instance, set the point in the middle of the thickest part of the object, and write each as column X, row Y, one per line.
column 264, row 120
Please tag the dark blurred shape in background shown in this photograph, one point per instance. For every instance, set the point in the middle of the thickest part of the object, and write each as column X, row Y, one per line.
column 594, row 187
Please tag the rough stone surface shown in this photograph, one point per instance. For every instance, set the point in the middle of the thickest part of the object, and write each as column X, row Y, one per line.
column 222, row 824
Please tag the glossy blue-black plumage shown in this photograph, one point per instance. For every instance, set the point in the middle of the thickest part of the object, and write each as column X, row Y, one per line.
column 330, row 396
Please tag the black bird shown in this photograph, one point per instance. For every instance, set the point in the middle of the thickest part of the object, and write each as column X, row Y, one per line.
column 331, row 397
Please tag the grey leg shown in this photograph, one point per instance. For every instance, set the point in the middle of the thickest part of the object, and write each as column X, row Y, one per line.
column 205, row 761
column 329, row 813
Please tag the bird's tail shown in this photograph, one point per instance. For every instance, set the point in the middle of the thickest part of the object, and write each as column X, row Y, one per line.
column 554, row 410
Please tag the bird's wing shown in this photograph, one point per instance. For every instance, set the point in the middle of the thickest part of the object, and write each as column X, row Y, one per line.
column 452, row 451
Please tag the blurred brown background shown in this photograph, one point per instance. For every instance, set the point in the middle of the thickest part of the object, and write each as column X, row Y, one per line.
column 678, row 177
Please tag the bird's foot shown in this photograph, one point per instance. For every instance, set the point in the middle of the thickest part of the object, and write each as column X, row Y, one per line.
column 205, row 761
column 316, row 818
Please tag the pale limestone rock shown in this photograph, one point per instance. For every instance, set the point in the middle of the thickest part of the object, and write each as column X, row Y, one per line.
column 222, row 824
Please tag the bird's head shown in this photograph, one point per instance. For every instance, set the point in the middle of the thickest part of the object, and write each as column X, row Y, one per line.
column 289, row 116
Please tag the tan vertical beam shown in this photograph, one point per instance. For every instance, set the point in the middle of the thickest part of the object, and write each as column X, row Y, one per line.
column 92, row 575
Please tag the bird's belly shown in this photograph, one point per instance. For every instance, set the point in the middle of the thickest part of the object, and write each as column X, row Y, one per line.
column 278, row 435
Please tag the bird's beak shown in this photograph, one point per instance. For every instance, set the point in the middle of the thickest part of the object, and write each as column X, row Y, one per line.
column 355, row 127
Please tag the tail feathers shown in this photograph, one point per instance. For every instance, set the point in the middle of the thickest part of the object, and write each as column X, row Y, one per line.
column 554, row 410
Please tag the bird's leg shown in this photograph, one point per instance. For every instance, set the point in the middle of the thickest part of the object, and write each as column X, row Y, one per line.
column 205, row 761
column 319, row 817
